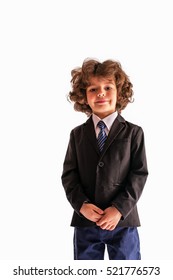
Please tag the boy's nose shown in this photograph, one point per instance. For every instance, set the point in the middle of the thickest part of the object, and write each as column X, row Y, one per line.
column 101, row 93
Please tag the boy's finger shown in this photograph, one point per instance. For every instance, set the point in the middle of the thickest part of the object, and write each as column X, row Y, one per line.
column 98, row 210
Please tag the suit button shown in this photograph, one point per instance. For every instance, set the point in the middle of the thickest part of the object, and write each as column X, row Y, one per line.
column 101, row 164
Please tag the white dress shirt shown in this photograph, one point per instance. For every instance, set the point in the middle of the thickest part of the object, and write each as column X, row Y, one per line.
column 108, row 122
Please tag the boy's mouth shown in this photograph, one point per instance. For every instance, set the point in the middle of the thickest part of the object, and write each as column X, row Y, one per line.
column 102, row 101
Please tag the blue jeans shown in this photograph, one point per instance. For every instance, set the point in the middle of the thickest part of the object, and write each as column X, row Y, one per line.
column 122, row 243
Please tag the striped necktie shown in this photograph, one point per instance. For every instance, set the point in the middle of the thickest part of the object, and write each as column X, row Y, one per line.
column 102, row 135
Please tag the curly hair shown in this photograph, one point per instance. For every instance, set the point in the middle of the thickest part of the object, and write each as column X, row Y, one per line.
column 93, row 68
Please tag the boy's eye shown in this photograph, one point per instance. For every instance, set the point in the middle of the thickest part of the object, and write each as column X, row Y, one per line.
column 92, row 90
column 107, row 88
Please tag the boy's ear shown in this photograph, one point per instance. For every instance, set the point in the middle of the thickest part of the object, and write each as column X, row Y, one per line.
column 85, row 101
column 82, row 101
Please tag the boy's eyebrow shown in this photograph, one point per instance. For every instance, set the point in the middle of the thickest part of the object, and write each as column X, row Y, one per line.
column 106, row 82
column 94, row 85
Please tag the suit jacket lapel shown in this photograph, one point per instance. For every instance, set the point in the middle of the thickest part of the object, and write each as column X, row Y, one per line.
column 89, row 133
column 117, row 126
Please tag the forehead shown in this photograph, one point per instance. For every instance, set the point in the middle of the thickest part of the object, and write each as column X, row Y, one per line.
column 98, row 80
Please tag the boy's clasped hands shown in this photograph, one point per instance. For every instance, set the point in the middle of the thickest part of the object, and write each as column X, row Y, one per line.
column 107, row 219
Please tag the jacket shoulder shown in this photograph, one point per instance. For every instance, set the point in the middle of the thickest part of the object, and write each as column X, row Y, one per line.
column 128, row 124
column 80, row 127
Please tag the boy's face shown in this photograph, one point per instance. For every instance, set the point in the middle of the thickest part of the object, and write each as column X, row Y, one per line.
column 102, row 96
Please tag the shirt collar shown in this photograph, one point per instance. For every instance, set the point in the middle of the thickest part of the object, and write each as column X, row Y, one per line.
column 108, row 120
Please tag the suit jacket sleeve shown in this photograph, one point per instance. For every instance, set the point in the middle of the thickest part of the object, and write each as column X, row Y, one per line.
column 70, row 177
column 127, row 199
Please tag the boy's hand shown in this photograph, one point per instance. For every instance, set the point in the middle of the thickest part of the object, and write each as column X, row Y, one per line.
column 91, row 212
column 110, row 218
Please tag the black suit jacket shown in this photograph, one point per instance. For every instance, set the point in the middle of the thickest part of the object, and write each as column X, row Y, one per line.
column 115, row 177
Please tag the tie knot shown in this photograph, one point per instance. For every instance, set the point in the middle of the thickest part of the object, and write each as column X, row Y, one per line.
column 101, row 125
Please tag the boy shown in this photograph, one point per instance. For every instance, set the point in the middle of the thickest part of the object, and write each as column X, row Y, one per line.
column 105, row 167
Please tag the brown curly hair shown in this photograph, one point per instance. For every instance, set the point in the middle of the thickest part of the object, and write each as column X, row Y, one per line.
column 93, row 68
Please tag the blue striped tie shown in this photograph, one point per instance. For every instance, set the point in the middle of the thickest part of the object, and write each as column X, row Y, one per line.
column 102, row 135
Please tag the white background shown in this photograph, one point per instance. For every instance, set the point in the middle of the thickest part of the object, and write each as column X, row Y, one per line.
column 41, row 42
